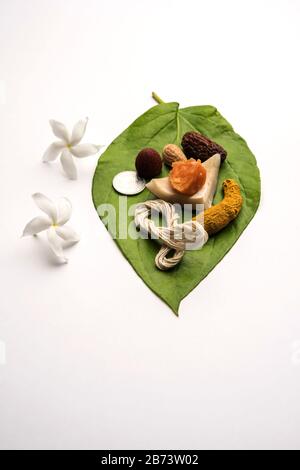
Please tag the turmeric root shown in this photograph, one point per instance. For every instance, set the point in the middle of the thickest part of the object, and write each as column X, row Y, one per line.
column 219, row 216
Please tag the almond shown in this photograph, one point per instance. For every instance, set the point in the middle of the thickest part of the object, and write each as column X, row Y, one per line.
column 172, row 153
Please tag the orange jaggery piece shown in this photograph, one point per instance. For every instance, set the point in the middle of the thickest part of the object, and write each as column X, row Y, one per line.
column 187, row 177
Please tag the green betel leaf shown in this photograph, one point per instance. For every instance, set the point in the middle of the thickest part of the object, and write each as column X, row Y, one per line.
column 163, row 124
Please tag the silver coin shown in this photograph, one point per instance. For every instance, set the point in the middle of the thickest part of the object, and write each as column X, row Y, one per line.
column 128, row 183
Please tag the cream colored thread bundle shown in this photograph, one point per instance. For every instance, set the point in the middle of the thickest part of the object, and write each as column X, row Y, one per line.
column 175, row 237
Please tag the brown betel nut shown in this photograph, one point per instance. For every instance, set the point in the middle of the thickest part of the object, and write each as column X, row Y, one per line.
column 148, row 163
column 196, row 145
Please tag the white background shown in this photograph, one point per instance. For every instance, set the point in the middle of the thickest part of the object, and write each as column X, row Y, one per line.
column 93, row 358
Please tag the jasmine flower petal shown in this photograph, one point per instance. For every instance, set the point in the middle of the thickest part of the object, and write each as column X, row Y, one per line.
column 68, row 234
column 84, row 150
column 53, row 151
column 64, row 210
column 46, row 205
column 37, row 225
column 55, row 243
column 60, row 130
column 78, row 131
column 68, row 164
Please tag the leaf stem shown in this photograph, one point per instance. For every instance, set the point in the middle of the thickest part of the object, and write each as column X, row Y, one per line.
column 157, row 98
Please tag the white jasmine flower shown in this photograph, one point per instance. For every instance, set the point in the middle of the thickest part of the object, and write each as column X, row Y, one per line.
column 54, row 220
column 68, row 146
